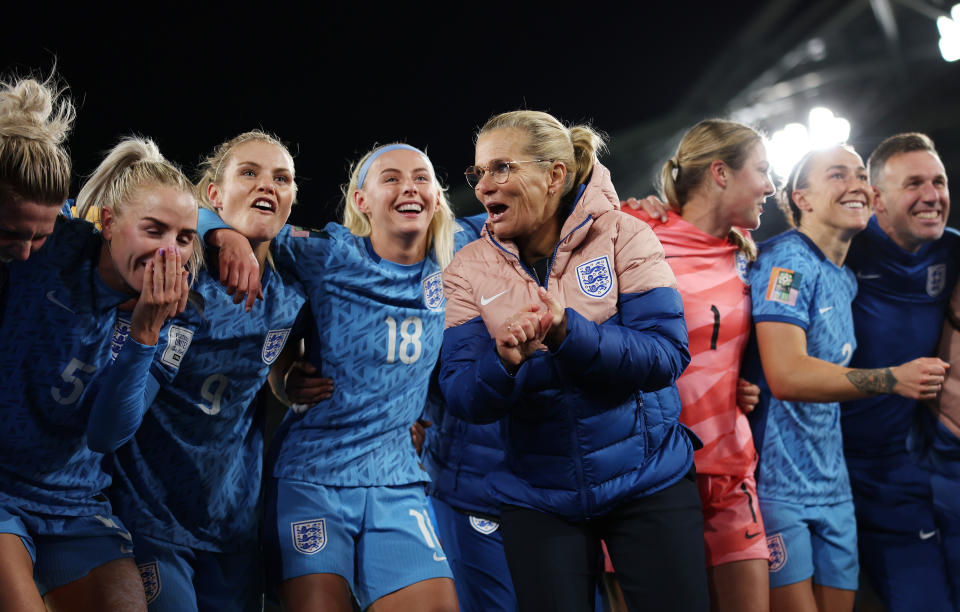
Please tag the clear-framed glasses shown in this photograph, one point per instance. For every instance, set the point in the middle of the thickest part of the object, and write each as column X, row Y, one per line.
column 499, row 170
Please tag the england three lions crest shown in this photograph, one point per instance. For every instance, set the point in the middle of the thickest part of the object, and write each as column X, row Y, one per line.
column 273, row 344
column 309, row 537
column 594, row 277
column 150, row 576
column 433, row 291
column 936, row 279
column 778, row 552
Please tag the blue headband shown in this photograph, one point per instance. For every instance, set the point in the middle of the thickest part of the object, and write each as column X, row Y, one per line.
column 373, row 156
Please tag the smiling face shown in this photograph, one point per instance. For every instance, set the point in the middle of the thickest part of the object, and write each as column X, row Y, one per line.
column 519, row 207
column 913, row 201
column 256, row 190
column 747, row 189
column 837, row 195
column 155, row 217
column 24, row 226
column 399, row 196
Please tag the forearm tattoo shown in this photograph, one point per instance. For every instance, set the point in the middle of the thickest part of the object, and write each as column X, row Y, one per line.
column 880, row 380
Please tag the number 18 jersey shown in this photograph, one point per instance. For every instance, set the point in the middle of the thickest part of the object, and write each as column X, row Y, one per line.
column 377, row 332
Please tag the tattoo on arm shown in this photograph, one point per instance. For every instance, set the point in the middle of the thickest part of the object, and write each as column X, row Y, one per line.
column 880, row 380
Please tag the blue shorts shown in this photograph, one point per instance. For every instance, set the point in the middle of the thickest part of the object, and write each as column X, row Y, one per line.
column 474, row 548
column 379, row 539
column 182, row 579
column 811, row 541
column 66, row 548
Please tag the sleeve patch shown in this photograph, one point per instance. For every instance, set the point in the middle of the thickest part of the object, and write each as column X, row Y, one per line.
column 178, row 341
column 783, row 286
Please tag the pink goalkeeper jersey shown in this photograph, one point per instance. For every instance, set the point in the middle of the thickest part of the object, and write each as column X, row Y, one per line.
column 712, row 278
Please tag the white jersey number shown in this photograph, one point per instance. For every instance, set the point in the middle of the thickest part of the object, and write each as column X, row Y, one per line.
column 76, row 385
column 429, row 535
column 847, row 352
column 410, row 347
column 212, row 391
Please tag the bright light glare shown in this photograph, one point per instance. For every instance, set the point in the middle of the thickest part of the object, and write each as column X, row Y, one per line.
column 788, row 145
column 950, row 35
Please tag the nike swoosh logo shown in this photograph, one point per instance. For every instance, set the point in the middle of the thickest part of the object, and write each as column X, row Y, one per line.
column 53, row 298
column 823, row 310
column 749, row 535
column 926, row 535
column 484, row 301
column 439, row 557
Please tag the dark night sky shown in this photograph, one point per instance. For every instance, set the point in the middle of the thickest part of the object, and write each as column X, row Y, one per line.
column 333, row 81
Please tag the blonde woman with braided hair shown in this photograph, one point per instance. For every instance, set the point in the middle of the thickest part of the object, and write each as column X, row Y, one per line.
column 61, row 331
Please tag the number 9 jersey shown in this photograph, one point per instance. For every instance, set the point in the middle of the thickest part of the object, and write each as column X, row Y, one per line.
column 376, row 331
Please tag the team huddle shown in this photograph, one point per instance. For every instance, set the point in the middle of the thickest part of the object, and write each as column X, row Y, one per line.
column 568, row 402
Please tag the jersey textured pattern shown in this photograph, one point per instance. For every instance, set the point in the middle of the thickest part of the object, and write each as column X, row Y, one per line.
column 191, row 475
column 377, row 332
column 800, row 444
column 898, row 315
column 56, row 339
column 712, row 278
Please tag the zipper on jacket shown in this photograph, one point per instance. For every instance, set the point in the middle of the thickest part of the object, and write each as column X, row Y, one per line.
column 553, row 257
column 571, row 418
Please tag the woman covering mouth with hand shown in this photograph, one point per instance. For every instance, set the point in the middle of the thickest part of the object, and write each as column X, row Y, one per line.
column 200, row 432
column 61, row 334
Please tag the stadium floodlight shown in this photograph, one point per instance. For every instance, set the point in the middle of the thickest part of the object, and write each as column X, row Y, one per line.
column 789, row 144
column 950, row 34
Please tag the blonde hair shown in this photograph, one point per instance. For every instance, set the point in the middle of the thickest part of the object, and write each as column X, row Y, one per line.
column 211, row 168
column 35, row 119
column 440, row 231
column 576, row 146
column 135, row 163
column 704, row 143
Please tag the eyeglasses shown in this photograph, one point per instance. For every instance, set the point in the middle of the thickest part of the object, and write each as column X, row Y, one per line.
column 499, row 171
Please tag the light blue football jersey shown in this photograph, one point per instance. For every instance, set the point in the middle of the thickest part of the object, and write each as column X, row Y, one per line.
column 59, row 324
column 191, row 474
column 377, row 331
column 800, row 443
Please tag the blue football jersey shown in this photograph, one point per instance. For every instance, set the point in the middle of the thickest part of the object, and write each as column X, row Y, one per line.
column 799, row 443
column 191, row 474
column 377, row 332
column 898, row 315
column 58, row 328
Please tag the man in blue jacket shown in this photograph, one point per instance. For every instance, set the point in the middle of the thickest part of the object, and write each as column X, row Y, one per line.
column 906, row 264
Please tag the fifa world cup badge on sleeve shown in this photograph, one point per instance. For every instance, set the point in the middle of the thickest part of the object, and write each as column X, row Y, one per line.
column 309, row 537
column 594, row 277
column 778, row 552
column 178, row 342
column 433, row 291
column 273, row 344
column 783, row 286
column 150, row 575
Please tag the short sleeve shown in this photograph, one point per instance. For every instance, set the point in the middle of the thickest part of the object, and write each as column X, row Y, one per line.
column 782, row 286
